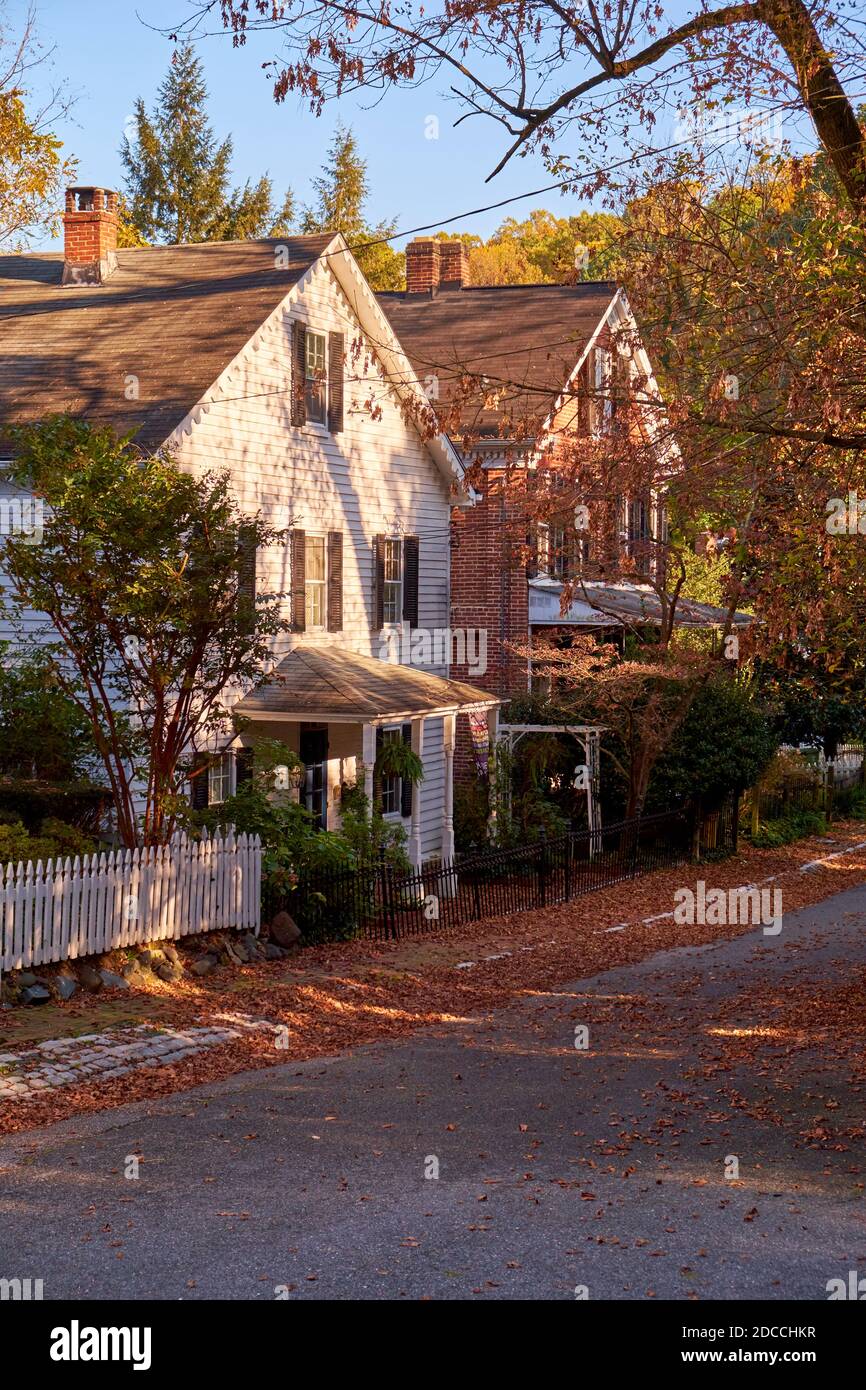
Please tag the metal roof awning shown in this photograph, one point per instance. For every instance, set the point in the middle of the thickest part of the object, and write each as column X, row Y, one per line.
column 619, row 605
column 331, row 685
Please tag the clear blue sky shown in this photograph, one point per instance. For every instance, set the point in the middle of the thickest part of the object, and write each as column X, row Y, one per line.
column 107, row 55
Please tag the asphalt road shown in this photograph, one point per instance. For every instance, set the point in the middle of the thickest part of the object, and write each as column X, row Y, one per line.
column 558, row 1169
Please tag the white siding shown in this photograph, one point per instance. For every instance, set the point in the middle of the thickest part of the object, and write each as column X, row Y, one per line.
column 377, row 476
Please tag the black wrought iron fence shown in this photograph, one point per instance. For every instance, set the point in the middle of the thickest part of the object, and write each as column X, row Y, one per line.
column 379, row 901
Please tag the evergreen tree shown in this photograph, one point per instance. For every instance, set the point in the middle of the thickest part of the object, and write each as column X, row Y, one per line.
column 341, row 193
column 178, row 174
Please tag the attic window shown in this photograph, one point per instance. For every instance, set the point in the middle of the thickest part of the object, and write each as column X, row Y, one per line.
column 316, row 385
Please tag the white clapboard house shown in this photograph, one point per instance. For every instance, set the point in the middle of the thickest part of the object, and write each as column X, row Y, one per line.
column 273, row 360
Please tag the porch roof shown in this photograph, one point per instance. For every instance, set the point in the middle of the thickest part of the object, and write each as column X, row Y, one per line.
column 330, row 684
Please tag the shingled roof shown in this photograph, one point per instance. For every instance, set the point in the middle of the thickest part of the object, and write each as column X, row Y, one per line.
column 346, row 687
column 524, row 339
column 173, row 316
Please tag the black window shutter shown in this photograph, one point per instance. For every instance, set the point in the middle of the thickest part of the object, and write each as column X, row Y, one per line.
column 299, row 373
column 198, row 786
column 335, row 581
column 299, row 579
column 378, row 582
column 410, row 580
column 405, row 784
column 247, row 565
column 335, row 382
column 243, row 766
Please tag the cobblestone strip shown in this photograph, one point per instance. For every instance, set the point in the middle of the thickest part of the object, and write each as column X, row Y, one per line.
column 102, row 1056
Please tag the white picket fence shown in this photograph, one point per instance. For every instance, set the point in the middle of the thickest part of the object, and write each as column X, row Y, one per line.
column 70, row 908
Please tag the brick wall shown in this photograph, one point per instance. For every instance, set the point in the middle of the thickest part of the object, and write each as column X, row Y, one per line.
column 489, row 591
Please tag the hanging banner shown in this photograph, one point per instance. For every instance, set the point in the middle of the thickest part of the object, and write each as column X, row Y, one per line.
column 480, row 741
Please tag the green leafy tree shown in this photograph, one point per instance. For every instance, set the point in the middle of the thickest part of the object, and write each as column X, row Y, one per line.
column 546, row 249
column 178, row 173
column 32, row 168
column 140, row 574
column 43, row 733
column 341, row 194
column 725, row 742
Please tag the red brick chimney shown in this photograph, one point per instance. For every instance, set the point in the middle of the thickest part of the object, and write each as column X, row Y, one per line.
column 431, row 263
column 90, row 236
column 422, row 265
column 453, row 265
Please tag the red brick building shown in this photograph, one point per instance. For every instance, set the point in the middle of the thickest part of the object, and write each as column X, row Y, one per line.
column 514, row 373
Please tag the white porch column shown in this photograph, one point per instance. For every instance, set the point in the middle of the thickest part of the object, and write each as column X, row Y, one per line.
column 368, row 756
column 449, row 737
column 415, row 824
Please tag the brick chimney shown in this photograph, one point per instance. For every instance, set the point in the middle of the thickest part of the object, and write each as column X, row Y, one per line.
column 432, row 264
column 422, row 265
column 453, row 265
column 90, row 236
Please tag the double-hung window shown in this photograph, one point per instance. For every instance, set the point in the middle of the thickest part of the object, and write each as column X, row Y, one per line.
column 392, row 599
column 314, row 582
column 219, row 779
column 316, row 377
column 392, row 787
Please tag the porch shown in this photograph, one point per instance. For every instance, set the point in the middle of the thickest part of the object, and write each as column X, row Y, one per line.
column 335, row 708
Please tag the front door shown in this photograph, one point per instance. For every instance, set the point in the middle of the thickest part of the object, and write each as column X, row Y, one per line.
column 313, row 751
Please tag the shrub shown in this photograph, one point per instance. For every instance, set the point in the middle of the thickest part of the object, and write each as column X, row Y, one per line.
column 797, row 825
column 55, row 840
column 294, row 850
column 726, row 741
column 471, row 809
column 43, row 733
column 75, row 803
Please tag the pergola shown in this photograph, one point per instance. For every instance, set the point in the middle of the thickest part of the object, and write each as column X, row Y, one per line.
column 589, row 737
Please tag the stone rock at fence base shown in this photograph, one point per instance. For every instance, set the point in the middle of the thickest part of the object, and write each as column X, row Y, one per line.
column 253, row 946
column 65, row 986
column 90, row 978
column 204, row 965
column 26, row 978
column 113, row 981
column 151, row 958
column 35, row 994
column 170, row 953
column 284, row 930
column 273, row 952
column 169, row 972
column 236, row 953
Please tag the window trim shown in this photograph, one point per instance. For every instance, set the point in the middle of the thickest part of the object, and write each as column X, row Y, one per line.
column 397, row 543
column 318, row 426
column 396, row 730
column 602, row 400
column 321, row 584
column 223, row 761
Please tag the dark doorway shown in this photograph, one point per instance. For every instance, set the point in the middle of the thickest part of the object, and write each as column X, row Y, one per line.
column 313, row 752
